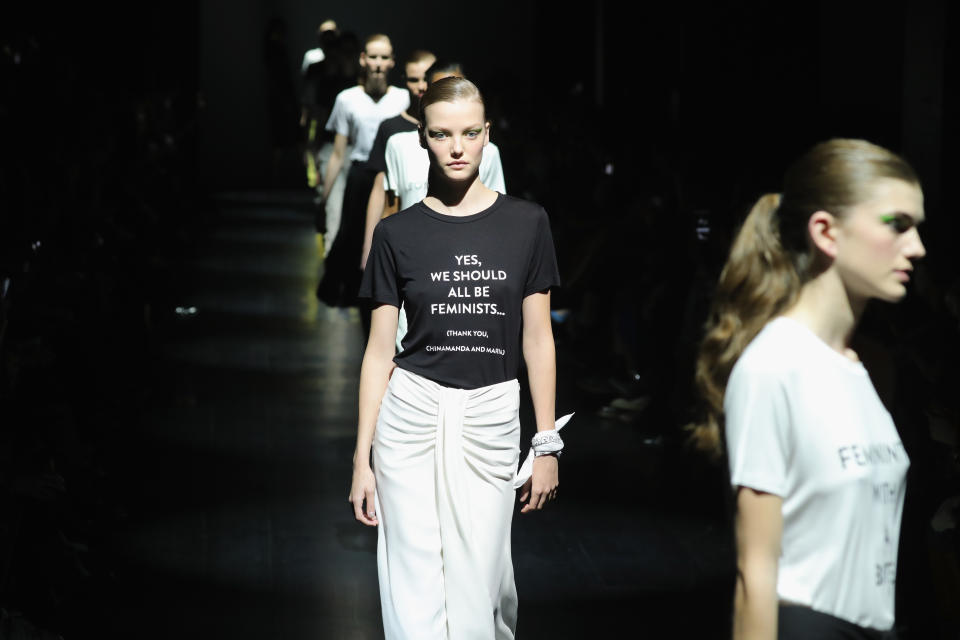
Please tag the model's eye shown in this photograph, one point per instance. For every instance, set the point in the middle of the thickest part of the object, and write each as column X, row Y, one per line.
column 438, row 135
column 473, row 134
column 899, row 222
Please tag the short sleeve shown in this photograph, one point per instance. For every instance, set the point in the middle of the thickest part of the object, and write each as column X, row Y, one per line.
column 757, row 429
column 338, row 122
column 376, row 161
column 491, row 169
column 391, row 162
column 542, row 272
column 379, row 283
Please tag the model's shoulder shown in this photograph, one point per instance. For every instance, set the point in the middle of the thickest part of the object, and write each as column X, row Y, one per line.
column 782, row 347
column 402, row 220
column 522, row 210
column 521, row 206
column 350, row 93
column 398, row 94
column 404, row 139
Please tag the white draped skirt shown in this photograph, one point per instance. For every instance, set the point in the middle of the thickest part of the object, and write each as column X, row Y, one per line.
column 445, row 461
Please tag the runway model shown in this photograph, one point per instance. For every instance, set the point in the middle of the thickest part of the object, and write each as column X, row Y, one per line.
column 474, row 269
column 815, row 460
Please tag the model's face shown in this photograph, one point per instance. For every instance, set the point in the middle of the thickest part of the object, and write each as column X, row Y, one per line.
column 416, row 77
column 454, row 136
column 377, row 58
column 877, row 241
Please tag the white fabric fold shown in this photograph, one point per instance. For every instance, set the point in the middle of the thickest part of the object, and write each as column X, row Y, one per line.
column 526, row 469
column 445, row 460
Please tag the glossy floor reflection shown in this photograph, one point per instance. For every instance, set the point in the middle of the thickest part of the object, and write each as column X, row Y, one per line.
column 242, row 468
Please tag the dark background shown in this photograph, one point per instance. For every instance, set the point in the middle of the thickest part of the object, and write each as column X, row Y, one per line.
column 645, row 130
column 705, row 103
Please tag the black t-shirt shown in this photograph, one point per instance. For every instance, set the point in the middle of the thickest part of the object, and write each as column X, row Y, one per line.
column 377, row 160
column 462, row 281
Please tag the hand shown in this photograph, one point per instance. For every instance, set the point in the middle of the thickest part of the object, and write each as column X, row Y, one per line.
column 320, row 214
column 542, row 485
column 361, row 491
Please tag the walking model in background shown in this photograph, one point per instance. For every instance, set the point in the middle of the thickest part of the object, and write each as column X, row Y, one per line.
column 815, row 460
column 321, row 84
column 474, row 269
column 317, row 54
column 357, row 113
column 381, row 202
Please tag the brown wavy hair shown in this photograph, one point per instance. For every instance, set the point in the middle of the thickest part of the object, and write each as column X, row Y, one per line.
column 772, row 258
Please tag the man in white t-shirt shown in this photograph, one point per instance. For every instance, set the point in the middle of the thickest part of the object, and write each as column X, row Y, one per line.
column 357, row 113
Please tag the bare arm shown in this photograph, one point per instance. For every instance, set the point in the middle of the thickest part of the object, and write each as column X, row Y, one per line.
column 759, row 531
column 374, row 374
column 540, row 355
column 375, row 205
column 335, row 163
column 391, row 204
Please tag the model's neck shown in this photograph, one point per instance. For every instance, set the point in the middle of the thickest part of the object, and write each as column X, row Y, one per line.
column 461, row 198
column 828, row 309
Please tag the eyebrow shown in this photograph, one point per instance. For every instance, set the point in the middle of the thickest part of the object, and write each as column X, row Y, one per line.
column 915, row 219
column 446, row 130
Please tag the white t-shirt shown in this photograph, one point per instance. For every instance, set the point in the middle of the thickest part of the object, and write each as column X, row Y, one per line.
column 408, row 167
column 358, row 117
column 804, row 422
column 312, row 56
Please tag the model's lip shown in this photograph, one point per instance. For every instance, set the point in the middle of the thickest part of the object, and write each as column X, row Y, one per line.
column 457, row 163
column 903, row 273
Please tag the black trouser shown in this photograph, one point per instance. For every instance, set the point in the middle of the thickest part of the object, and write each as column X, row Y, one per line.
column 803, row 623
column 341, row 268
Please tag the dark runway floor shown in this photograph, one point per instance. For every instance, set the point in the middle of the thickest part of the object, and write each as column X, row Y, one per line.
column 240, row 469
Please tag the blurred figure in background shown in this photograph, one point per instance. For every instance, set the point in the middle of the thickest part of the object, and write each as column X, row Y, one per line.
column 321, row 84
column 356, row 116
column 382, row 202
column 317, row 54
column 816, row 462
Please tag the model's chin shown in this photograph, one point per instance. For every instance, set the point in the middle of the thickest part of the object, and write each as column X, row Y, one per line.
column 462, row 174
column 894, row 293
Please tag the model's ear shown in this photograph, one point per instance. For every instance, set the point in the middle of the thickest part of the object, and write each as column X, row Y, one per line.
column 363, row 58
column 423, row 136
column 486, row 133
column 822, row 227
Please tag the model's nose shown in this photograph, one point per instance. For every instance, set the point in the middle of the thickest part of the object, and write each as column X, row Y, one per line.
column 916, row 250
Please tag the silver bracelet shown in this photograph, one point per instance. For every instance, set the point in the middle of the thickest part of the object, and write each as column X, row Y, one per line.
column 546, row 443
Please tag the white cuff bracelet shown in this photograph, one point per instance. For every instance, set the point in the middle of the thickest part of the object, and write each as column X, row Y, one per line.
column 546, row 442
column 526, row 469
